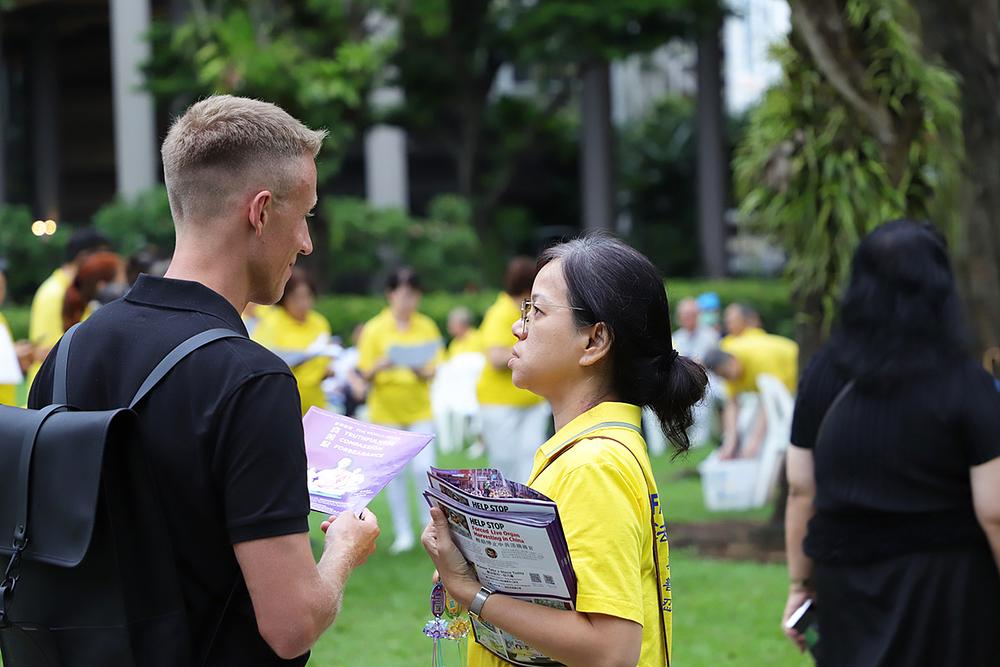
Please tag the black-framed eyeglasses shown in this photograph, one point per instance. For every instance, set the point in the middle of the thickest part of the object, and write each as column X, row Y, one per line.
column 528, row 304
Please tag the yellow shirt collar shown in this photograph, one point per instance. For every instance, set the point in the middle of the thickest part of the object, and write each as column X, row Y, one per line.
column 603, row 412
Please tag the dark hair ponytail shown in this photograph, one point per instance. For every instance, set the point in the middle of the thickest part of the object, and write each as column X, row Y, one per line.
column 611, row 282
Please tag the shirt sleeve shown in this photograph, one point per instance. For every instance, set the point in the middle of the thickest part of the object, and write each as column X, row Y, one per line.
column 604, row 531
column 260, row 460
column 980, row 417
column 809, row 404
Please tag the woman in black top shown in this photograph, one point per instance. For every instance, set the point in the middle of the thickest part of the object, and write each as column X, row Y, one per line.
column 895, row 467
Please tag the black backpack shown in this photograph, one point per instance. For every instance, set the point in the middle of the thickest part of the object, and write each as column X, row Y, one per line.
column 88, row 574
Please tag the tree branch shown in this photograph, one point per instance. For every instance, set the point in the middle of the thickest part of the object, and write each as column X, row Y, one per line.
column 820, row 25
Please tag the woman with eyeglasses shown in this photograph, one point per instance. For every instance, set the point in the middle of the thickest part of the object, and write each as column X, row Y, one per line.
column 594, row 340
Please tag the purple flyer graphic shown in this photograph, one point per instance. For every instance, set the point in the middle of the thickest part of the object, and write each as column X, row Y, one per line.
column 350, row 461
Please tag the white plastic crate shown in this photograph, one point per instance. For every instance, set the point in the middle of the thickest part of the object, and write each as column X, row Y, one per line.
column 729, row 485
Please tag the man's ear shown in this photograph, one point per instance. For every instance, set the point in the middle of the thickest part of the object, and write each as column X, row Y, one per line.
column 260, row 210
column 598, row 345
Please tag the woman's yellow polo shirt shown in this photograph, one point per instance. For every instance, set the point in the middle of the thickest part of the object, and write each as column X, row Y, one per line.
column 281, row 332
column 495, row 384
column 398, row 397
column 605, row 505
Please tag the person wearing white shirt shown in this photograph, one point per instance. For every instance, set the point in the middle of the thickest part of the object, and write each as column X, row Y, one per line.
column 692, row 340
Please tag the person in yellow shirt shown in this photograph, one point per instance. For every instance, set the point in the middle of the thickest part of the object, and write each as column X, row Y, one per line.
column 739, row 361
column 594, row 339
column 739, row 318
column 46, row 325
column 398, row 352
column 290, row 329
column 8, row 392
column 513, row 420
column 465, row 338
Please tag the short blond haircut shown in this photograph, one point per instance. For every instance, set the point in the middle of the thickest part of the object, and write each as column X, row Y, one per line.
column 224, row 144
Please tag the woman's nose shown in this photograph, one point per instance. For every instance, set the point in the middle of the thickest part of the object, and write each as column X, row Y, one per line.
column 519, row 329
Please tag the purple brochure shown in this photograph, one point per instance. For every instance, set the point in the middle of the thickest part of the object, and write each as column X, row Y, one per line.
column 350, row 461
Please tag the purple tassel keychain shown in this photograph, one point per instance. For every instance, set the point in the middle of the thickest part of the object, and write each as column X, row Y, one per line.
column 448, row 623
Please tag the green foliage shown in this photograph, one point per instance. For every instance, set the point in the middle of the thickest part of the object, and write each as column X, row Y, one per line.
column 367, row 242
column 312, row 58
column 816, row 178
column 138, row 223
column 31, row 258
column 19, row 320
column 573, row 31
column 657, row 159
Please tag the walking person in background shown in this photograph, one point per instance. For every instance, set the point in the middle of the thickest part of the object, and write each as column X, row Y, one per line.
column 593, row 339
column 47, row 326
column 399, row 394
column 514, row 420
column 893, row 516
column 290, row 329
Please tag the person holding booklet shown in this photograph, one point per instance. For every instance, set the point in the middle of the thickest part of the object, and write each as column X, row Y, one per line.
column 294, row 327
column 398, row 352
column 594, row 340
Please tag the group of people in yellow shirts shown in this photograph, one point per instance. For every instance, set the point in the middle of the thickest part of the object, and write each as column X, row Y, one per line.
column 398, row 352
column 89, row 275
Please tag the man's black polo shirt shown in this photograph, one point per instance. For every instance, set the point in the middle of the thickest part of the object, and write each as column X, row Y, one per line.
column 223, row 438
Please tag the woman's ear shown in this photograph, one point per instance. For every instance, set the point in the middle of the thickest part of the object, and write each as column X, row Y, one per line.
column 598, row 345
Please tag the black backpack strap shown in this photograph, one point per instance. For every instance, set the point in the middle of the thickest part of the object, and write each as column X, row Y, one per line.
column 60, row 388
column 178, row 353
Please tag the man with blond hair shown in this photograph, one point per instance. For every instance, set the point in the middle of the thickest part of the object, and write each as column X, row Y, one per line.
column 221, row 433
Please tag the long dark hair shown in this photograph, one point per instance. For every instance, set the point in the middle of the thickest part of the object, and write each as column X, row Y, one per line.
column 611, row 282
column 900, row 316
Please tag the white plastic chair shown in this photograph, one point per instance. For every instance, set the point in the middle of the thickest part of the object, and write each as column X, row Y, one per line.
column 453, row 399
column 778, row 405
column 740, row 484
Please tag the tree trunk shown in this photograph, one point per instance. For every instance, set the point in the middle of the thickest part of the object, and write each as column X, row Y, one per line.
column 966, row 35
column 712, row 168
column 596, row 146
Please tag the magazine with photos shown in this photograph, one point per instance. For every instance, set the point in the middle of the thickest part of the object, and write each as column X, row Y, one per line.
column 512, row 536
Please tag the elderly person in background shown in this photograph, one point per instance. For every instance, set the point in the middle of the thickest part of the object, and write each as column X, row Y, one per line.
column 893, row 515
column 739, row 318
column 464, row 336
column 692, row 339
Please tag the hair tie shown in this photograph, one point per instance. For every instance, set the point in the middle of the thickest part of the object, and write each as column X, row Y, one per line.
column 673, row 356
